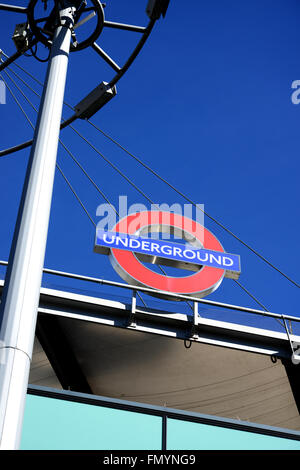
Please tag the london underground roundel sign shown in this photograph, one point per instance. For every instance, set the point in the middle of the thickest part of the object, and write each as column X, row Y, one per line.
column 128, row 248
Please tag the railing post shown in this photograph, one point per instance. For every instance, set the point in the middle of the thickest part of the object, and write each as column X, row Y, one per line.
column 132, row 322
column 194, row 334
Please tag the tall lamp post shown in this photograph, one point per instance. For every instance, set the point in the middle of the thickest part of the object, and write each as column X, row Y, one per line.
column 20, row 297
column 21, row 293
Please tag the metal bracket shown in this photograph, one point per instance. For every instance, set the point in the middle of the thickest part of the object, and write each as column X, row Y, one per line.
column 295, row 358
column 193, row 331
column 73, row 37
column 66, row 17
column 131, row 320
column 95, row 100
column 22, row 37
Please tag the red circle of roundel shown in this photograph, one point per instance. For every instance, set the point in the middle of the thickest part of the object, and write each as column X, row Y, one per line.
column 133, row 271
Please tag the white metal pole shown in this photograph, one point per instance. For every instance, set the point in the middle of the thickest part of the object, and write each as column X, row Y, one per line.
column 21, row 293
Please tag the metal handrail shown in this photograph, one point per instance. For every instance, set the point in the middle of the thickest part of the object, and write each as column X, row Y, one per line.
column 148, row 290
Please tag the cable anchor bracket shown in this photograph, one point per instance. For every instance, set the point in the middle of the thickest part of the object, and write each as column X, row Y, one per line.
column 193, row 332
column 95, row 100
column 132, row 321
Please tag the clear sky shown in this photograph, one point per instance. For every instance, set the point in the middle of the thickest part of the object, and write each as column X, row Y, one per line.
column 208, row 105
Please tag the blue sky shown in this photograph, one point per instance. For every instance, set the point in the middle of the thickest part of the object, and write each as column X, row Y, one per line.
column 208, row 105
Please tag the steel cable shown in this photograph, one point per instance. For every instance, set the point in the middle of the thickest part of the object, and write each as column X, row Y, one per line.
column 57, row 165
column 110, row 163
column 180, row 193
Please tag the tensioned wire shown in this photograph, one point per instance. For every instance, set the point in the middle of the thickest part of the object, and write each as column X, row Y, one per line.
column 121, row 173
column 63, row 145
column 57, row 165
column 86, row 174
column 95, row 185
column 33, row 127
column 221, row 383
column 179, row 192
column 150, row 200
column 152, row 171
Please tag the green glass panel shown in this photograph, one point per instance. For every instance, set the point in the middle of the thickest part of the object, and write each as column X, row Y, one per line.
column 195, row 436
column 53, row 424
